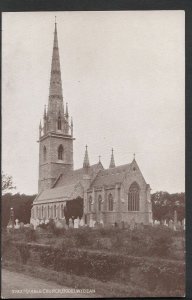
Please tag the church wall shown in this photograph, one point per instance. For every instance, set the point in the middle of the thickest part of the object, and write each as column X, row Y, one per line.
column 48, row 211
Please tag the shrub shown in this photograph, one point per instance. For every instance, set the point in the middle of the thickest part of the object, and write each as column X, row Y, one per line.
column 30, row 235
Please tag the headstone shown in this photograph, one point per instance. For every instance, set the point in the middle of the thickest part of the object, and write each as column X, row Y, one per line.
column 81, row 223
column 21, row 225
column 101, row 222
column 76, row 223
column 94, row 222
column 70, row 223
column 17, row 225
column 175, row 217
column 46, row 221
column 171, row 224
column 91, row 222
column 58, row 224
column 183, row 224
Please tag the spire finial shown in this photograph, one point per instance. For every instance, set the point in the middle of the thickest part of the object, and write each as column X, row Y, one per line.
column 86, row 158
column 112, row 162
column 55, row 19
column 133, row 155
column 99, row 158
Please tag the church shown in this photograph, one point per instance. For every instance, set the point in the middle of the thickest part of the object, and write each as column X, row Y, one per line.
column 108, row 196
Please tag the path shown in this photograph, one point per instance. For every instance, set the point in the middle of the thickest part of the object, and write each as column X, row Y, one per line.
column 18, row 285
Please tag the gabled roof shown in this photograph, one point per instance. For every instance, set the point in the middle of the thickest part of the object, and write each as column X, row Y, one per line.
column 111, row 176
column 62, row 193
column 72, row 177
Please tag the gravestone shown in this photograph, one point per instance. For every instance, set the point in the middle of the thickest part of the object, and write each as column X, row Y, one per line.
column 183, row 224
column 17, row 225
column 21, row 225
column 58, row 224
column 70, row 223
column 101, row 223
column 76, row 223
column 171, row 225
column 81, row 223
column 91, row 222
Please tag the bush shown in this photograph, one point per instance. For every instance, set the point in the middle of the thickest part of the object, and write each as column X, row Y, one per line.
column 30, row 235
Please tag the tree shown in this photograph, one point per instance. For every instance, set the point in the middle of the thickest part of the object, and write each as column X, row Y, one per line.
column 7, row 183
column 164, row 205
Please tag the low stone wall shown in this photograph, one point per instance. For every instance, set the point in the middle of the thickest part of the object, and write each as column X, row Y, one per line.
column 150, row 273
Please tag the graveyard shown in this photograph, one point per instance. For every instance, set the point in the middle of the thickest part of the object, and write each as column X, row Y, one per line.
column 128, row 259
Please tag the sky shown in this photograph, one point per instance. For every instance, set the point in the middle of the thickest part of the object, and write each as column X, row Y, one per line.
column 123, row 76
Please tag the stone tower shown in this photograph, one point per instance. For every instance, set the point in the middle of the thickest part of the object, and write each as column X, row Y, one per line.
column 56, row 134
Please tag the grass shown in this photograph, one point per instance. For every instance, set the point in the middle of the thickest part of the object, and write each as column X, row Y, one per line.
column 107, row 289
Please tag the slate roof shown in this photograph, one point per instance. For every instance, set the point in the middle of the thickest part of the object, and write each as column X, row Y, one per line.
column 73, row 177
column 60, row 193
column 111, row 176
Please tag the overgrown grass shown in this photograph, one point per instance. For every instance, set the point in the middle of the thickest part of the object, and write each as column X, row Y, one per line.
column 154, row 241
column 106, row 289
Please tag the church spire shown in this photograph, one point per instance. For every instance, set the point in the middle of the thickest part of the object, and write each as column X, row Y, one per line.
column 55, row 103
column 55, row 81
column 86, row 159
column 112, row 162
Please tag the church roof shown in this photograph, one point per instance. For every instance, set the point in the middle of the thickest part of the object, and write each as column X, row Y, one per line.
column 60, row 193
column 72, row 177
column 111, row 176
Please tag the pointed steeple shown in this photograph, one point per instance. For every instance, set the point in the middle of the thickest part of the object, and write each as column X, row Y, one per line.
column 55, row 103
column 86, row 159
column 55, row 82
column 112, row 162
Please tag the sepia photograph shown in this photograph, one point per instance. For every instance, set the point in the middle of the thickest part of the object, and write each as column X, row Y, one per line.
column 93, row 154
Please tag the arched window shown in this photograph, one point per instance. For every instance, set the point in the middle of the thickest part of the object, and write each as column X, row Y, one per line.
column 42, row 211
column 60, row 152
column 99, row 202
column 110, row 202
column 59, row 123
column 133, row 197
column 44, row 153
column 90, row 204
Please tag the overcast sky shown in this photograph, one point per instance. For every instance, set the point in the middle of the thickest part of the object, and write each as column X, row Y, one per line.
column 123, row 78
